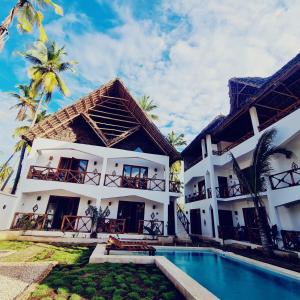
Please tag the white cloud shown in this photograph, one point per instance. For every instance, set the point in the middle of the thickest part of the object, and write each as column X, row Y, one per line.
column 184, row 69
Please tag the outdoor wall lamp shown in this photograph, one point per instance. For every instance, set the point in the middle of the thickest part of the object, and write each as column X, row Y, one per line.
column 50, row 157
column 109, row 203
column 154, row 206
column 89, row 202
column 155, row 169
column 116, row 164
column 38, row 198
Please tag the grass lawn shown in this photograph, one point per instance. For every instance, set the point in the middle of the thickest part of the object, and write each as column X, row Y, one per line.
column 29, row 252
column 105, row 282
column 75, row 279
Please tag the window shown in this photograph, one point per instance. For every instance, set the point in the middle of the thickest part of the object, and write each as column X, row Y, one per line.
column 135, row 177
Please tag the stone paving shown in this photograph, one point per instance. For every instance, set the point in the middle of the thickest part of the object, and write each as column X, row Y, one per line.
column 16, row 277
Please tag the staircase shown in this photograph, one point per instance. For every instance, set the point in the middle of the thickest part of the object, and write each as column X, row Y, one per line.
column 183, row 225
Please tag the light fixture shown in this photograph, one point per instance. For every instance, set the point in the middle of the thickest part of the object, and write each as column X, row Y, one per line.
column 203, row 211
column 109, row 203
column 154, row 206
column 89, row 202
column 50, row 157
column 38, row 198
column 116, row 164
column 95, row 163
column 155, row 170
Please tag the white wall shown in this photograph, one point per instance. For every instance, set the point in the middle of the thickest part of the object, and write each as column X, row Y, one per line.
column 289, row 216
column 8, row 204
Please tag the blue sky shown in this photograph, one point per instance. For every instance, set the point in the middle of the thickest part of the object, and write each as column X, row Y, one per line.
column 179, row 52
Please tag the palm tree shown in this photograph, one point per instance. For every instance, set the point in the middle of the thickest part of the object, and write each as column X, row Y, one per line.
column 176, row 141
column 28, row 15
column 47, row 64
column 148, row 105
column 25, row 102
column 255, row 182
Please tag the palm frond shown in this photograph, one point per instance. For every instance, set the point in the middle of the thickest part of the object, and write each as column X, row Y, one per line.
column 240, row 175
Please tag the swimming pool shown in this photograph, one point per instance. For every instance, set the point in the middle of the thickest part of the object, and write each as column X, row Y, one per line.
column 229, row 278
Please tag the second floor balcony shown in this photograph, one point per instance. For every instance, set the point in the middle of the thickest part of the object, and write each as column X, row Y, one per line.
column 231, row 191
column 63, row 175
column 285, row 179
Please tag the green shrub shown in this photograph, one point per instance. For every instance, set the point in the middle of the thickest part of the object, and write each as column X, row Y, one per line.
column 148, row 282
column 108, row 289
column 133, row 296
column 60, row 297
column 169, row 295
column 98, row 298
column 62, row 291
column 92, row 284
column 90, row 291
column 117, row 297
column 58, row 282
column 77, row 289
column 150, row 293
column 135, row 288
column 75, row 297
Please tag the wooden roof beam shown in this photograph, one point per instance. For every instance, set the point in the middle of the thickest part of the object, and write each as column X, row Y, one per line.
column 268, row 107
column 114, row 119
column 112, row 114
column 123, row 136
column 96, row 129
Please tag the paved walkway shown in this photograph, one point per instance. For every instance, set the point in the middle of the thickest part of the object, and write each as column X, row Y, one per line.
column 16, row 277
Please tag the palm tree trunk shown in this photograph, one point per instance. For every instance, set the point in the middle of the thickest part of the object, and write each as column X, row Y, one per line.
column 263, row 231
column 6, row 163
column 23, row 150
column 18, row 174
column 6, row 181
column 8, row 20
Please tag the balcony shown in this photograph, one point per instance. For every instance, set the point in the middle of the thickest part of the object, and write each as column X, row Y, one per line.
column 242, row 233
column 195, row 197
column 70, row 223
column 144, row 183
column 231, row 191
column 285, row 179
column 63, row 175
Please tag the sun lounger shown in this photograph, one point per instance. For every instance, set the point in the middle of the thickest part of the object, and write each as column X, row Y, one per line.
column 118, row 245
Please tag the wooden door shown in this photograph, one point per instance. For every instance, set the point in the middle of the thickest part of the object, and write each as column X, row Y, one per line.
column 171, row 218
column 132, row 212
column 195, row 215
column 59, row 207
column 223, row 186
column 225, row 218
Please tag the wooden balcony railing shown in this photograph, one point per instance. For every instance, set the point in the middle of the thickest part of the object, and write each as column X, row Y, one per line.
column 151, row 184
column 63, row 175
column 151, row 227
column 291, row 239
column 234, row 144
column 31, row 221
column 111, row 226
column 175, row 186
column 76, row 224
column 285, row 179
column 242, row 233
column 231, row 191
column 195, row 197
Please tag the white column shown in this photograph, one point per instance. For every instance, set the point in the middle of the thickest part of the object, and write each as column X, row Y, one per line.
column 254, row 119
column 273, row 212
column 166, row 204
column 209, row 145
column 103, row 172
column 167, row 177
column 214, row 200
column 175, row 215
column 203, row 148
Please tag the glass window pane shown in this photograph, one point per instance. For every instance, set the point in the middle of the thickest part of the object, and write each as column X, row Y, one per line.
column 127, row 171
column 135, row 172
column 144, row 172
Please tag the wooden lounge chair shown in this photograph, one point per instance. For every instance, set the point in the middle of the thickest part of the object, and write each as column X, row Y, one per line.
column 118, row 245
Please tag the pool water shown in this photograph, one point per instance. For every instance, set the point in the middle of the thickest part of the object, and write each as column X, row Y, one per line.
column 230, row 279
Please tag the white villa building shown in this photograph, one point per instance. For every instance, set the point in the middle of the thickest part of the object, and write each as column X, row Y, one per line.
column 216, row 204
column 101, row 151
